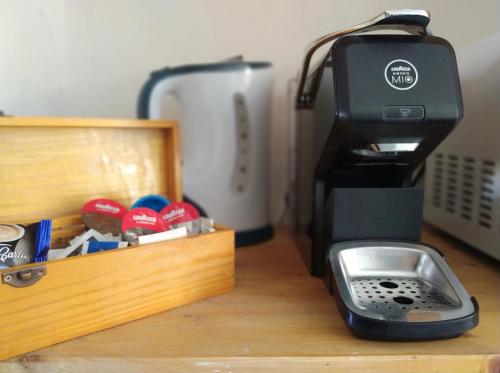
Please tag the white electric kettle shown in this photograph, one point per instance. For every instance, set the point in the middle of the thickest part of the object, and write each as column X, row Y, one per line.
column 224, row 120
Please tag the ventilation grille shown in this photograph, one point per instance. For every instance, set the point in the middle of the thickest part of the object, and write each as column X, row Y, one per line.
column 465, row 187
column 451, row 184
column 487, row 195
column 468, row 168
column 437, row 195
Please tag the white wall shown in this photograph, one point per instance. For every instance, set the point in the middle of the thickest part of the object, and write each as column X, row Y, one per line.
column 90, row 58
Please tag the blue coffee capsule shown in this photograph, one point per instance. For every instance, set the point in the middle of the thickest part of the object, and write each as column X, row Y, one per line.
column 153, row 201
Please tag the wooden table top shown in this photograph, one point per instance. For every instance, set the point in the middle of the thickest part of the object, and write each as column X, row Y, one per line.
column 280, row 319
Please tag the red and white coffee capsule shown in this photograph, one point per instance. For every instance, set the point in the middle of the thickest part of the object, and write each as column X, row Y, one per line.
column 178, row 212
column 104, row 215
column 141, row 221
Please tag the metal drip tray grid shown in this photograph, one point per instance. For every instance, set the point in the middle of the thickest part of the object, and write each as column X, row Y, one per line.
column 396, row 296
column 394, row 281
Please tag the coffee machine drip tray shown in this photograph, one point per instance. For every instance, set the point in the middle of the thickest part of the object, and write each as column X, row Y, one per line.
column 398, row 291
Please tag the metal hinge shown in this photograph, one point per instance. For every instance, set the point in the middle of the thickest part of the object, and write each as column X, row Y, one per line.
column 22, row 278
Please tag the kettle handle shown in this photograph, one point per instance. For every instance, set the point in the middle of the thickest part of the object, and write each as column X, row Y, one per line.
column 413, row 21
column 160, row 84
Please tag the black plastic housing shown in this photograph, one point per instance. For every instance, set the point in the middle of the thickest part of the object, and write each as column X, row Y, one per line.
column 362, row 94
column 365, row 111
column 353, row 214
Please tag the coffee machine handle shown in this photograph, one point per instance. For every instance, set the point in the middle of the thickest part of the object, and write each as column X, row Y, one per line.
column 413, row 21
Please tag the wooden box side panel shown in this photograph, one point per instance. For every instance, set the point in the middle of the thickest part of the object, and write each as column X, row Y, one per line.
column 81, row 295
column 56, row 165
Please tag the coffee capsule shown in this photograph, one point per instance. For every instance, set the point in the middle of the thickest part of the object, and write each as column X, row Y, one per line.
column 139, row 222
column 179, row 212
column 10, row 234
column 152, row 201
column 104, row 215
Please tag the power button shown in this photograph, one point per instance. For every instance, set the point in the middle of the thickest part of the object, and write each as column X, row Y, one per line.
column 404, row 112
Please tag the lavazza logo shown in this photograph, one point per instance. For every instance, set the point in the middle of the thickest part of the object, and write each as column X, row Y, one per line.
column 174, row 213
column 401, row 74
column 107, row 207
column 144, row 218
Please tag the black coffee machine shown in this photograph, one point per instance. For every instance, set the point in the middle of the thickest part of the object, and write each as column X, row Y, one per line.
column 370, row 112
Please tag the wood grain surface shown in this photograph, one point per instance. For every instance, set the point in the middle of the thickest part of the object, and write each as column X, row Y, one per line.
column 83, row 294
column 84, row 122
column 52, row 166
column 280, row 319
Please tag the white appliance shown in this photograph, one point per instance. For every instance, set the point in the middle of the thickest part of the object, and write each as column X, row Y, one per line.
column 463, row 175
column 224, row 121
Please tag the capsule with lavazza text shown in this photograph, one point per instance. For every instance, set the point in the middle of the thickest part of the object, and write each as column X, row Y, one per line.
column 139, row 222
column 177, row 213
column 104, row 215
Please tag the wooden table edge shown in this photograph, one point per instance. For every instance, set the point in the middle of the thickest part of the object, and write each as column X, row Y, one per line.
column 372, row 364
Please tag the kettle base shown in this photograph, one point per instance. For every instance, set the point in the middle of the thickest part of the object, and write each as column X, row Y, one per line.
column 254, row 236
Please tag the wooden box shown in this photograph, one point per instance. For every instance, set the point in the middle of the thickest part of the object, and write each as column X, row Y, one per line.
column 49, row 167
